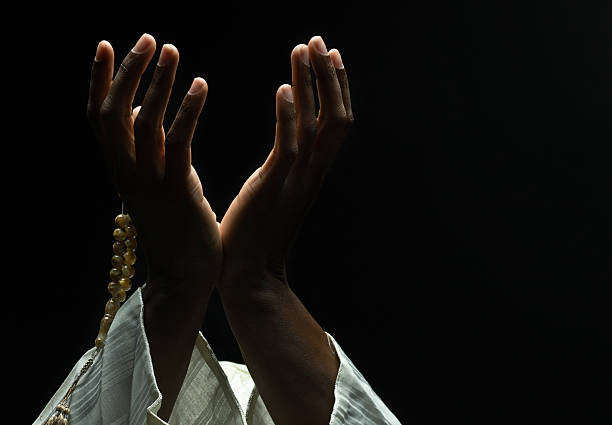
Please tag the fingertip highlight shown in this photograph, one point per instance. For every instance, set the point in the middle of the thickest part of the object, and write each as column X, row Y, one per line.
column 287, row 92
column 336, row 58
column 100, row 50
column 197, row 85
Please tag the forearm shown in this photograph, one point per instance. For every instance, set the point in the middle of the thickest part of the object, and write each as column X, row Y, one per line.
column 287, row 353
column 172, row 321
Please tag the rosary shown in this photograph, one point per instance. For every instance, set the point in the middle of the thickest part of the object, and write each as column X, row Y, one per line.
column 122, row 261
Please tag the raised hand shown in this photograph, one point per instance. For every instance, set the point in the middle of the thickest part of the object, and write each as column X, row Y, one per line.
column 152, row 172
column 287, row 352
column 262, row 221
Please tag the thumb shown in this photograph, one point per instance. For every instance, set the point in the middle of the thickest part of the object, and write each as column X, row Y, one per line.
column 135, row 112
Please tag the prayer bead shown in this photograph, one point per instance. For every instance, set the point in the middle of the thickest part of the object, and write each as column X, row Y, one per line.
column 119, row 247
column 116, row 274
column 122, row 261
column 105, row 323
column 126, row 283
column 130, row 243
column 122, row 220
column 117, row 261
column 130, row 231
column 129, row 257
column 111, row 307
column 100, row 340
column 119, row 234
column 114, row 287
column 127, row 271
column 119, row 296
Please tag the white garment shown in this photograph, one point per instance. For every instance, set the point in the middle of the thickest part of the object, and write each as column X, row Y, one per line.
column 120, row 386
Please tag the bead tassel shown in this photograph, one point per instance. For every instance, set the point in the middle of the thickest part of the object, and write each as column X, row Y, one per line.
column 60, row 417
column 122, row 261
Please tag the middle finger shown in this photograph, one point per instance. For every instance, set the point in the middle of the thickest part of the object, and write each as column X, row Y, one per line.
column 331, row 106
column 122, row 91
column 148, row 124
column 304, row 100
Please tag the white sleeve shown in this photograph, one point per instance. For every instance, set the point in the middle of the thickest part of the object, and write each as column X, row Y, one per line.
column 120, row 387
column 356, row 403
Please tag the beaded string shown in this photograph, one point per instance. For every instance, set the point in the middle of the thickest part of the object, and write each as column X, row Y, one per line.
column 122, row 261
column 121, row 273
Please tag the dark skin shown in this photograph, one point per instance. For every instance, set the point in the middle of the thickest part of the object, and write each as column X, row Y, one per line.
column 189, row 254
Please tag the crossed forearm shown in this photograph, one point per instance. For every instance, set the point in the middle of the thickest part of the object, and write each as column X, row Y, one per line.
column 285, row 349
column 287, row 354
column 172, row 322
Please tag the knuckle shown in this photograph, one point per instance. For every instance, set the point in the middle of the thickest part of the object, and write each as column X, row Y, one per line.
column 188, row 109
column 159, row 78
column 291, row 115
column 306, row 80
column 107, row 111
column 329, row 71
column 349, row 120
column 126, row 65
column 143, row 124
column 335, row 118
column 309, row 129
column 130, row 66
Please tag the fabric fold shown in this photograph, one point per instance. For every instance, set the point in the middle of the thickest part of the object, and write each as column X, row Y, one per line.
column 120, row 387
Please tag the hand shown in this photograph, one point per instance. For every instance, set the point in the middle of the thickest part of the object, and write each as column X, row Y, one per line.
column 152, row 171
column 285, row 349
column 262, row 221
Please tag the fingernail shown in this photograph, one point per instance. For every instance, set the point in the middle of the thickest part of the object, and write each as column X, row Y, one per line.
column 164, row 56
column 336, row 59
column 287, row 93
column 144, row 42
column 319, row 44
column 303, row 52
column 196, row 86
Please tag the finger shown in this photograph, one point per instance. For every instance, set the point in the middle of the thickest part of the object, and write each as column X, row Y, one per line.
column 304, row 100
column 277, row 165
column 333, row 122
column 148, row 126
column 178, row 140
column 135, row 112
column 100, row 82
column 118, row 103
column 331, row 106
column 344, row 85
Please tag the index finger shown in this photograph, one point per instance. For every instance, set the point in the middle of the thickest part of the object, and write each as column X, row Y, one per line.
column 101, row 78
column 331, row 106
column 124, row 85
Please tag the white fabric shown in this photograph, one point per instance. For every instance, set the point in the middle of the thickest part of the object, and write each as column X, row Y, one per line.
column 120, row 386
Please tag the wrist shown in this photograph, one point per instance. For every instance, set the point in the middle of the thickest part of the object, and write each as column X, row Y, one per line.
column 179, row 285
column 253, row 291
column 173, row 300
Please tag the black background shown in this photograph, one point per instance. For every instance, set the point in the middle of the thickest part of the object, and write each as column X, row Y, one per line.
column 460, row 249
